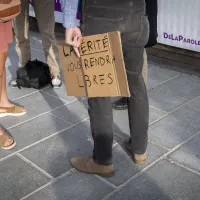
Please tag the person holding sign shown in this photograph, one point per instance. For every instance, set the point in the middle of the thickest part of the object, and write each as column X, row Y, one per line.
column 128, row 17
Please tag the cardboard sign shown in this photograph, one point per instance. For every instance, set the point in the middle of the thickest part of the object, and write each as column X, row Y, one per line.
column 100, row 72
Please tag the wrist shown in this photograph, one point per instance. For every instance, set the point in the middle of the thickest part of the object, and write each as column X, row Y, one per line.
column 71, row 27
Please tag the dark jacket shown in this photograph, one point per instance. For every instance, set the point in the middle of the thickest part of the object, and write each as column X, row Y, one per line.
column 152, row 12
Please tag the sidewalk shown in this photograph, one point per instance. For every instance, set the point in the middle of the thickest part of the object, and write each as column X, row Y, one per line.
column 56, row 127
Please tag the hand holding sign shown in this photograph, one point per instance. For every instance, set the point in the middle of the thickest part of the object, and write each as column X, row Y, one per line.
column 73, row 37
column 99, row 71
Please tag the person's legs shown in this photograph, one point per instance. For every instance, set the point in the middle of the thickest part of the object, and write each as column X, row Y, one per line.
column 4, row 102
column 122, row 103
column 138, row 107
column 100, row 109
column 2, row 73
column 21, row 29
column 102, row 131
column 6, row 36
column 5, row 105
column 44, row 11
column 4, row 142
column 134, row 39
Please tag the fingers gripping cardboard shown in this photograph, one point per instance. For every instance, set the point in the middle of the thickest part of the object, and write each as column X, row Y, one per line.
column 100, row 71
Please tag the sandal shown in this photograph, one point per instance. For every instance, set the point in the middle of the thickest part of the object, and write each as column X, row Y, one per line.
column 12, row 111
column 5, row 137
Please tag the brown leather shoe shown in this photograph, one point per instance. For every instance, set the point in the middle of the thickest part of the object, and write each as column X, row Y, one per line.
column 137, row 158
column 87, row 165
column 140, row 159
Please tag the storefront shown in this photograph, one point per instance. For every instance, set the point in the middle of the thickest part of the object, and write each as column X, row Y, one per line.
column 178, row 23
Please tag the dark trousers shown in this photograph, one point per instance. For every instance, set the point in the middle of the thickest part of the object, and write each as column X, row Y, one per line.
column 152, row 12
column 128, row 17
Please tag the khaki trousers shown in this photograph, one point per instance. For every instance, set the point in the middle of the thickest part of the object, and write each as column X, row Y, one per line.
column 44, row 11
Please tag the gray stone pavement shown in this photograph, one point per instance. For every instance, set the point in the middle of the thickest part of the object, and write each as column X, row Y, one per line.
column 56, row 127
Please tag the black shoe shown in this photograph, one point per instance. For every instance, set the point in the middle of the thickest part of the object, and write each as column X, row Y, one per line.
column 121, row 104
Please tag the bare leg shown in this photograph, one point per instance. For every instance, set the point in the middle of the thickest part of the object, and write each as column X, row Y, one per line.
column 4, row 102
column 2, row 71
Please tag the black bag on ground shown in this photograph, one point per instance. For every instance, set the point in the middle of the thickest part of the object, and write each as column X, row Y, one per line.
column 35, row 74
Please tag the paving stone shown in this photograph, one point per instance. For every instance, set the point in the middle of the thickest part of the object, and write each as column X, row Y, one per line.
column 189, row 154
column 125, row 167
column 155, row 114
column 61, row 93
column 35, row 104
column 118, row 139
column 164, row 100
column 75, row 186
column 35, row 35
column 11, row 70
column 72, row 113
column 157, row 75
column 12, row 62
column 195, row 104
column 176, row 127
column 38, row 54
column 83, row 101
column 121, row 119
column 121, row 124
column 36, row 44
column 53, row 155
column 185, row 86
column 151, row 64
column 14, row 93
column 162, row 182
column 19, row 179
column 151, row 61
column 33, row 131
